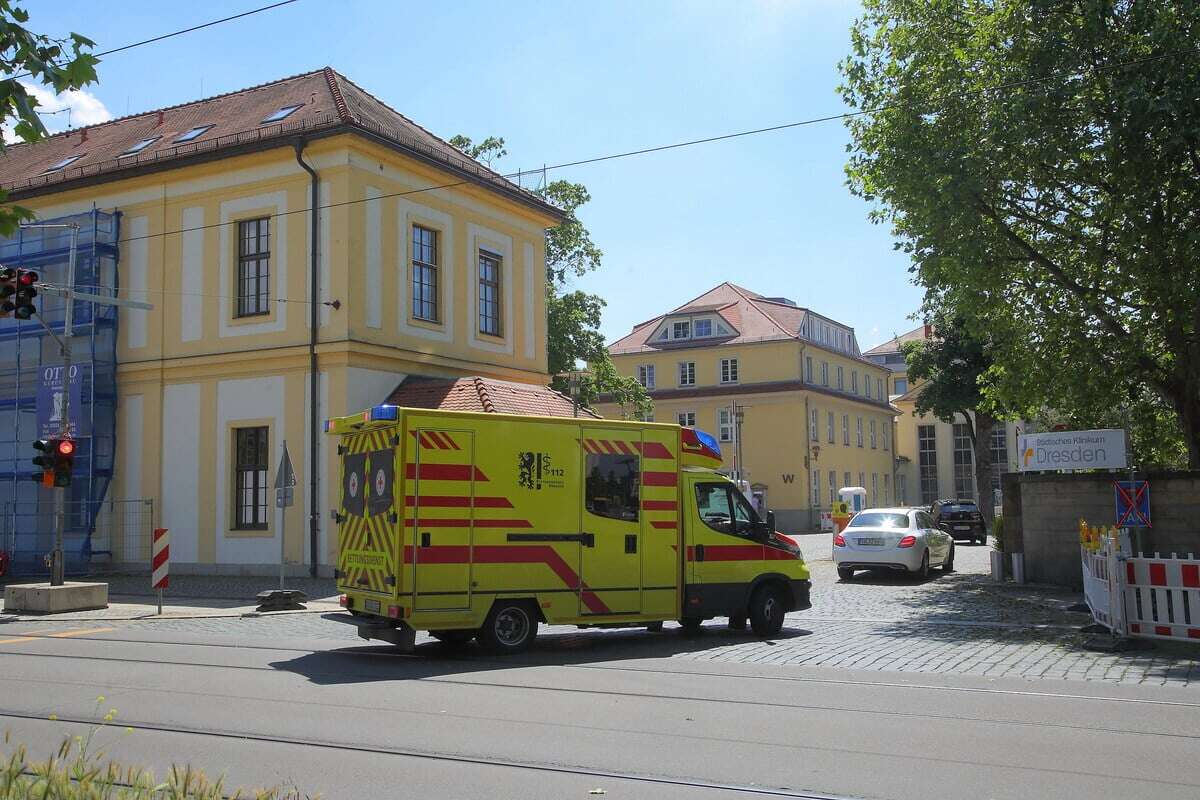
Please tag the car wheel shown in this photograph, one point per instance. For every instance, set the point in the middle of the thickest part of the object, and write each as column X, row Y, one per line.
column 453, row 637
column 510, row 627
column 923, row 572
column 737, row 623
column 654, row 627
column 691, row 624
column 845, row 574
column 948, row 564
column 766, row 611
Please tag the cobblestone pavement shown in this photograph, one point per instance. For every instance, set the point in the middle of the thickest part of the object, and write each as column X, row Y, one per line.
column 960, row 623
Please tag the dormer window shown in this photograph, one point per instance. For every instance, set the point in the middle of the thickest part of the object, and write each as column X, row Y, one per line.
column 666, row 334
column 681, row 330
column 281, row 114
column 140, row 146
column 66, row 162
column 703, row 327
column 194, row 133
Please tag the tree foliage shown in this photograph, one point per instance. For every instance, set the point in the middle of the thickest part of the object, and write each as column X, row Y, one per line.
column 61, row 64
column 1040, row 163
column 952, row 368
column 572, row 316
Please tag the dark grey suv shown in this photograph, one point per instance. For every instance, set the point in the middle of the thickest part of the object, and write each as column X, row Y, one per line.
column 960, row 518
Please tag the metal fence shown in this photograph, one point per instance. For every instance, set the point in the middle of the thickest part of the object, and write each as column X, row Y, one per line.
column 119, row 542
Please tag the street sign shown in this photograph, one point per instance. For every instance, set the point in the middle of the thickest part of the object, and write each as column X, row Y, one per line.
column 1133, row 504
column 285, row 497
column 285, row 478
column 1099, row 449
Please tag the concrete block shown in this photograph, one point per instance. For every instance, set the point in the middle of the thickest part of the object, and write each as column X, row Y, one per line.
column 42, row 598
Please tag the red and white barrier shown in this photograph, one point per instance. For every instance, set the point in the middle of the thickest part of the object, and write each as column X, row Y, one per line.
column 160, row 560
column 1162, row 597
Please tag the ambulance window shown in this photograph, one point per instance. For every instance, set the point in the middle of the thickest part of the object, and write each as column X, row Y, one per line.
column 613, row 483
column 718, row 503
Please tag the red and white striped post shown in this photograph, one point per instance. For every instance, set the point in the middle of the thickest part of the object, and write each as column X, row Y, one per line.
column 160, row 563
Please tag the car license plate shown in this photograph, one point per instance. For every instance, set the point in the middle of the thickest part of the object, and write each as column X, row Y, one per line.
column 872, row 542
column 962, row 527
column 371, row 606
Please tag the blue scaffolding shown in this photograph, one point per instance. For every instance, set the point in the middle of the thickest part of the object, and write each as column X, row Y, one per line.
column 27, row 356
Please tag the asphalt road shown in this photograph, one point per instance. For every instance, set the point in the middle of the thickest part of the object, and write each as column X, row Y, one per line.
column 619, row 715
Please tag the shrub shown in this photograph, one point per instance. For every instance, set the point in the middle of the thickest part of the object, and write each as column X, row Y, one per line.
column 998, row 533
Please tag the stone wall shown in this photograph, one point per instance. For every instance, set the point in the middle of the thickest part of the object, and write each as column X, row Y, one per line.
column 1042, row 512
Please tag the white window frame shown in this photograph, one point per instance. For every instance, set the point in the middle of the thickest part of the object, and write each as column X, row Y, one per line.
column 873, row 439
column 729, row 370
column 841, row 378
column 815, row 490
column 879, row 389
column 682, row 418
column 814, row 424
column 808, row 369
column 687, row 373
column 831, row 424
column 696, row 334
column 824, row 373
column 726, row 430
column 832, row 487
column 645, row 375
column 859, row 428
column 846, row 429
column 867, row 386
column 854, row 381
column 686, row 325
column 875, row 489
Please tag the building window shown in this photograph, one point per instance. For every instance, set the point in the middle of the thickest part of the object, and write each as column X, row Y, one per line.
column 250, row 479
column 824, row 373
column 725, row 424
column 704, row 327
column 884, row 433
column 846, row 429
column 830, row 425
column 254, row 267
column 681, row 330
column 687, row 418
column 194, row 133
column 858, row 427
column 645, row 375
column 901, row 385
column 999, row 454
column 139, row 146
column 854, row 381
column 872, row 434
column 489, row 293
column 845, row 479
column 887, row 493
column 687, row 373
column 808, row 375
column 425, row 274
column 902, row 490
column 841, row 382
column 729, row 370
column 964, row 462
column 613, row 482
column 927, row 461
column 815, row 494
column 813, row 423
column 867, row 386
column 879, row 389
column 832, row 487
column 875, row 489
column 862, row 481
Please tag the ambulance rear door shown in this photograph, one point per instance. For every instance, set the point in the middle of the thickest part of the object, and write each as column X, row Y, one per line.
column 368, row 545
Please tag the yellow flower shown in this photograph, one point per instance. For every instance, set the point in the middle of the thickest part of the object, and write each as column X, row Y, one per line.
column 129, row 730
column 53, row 717
column 100, row 698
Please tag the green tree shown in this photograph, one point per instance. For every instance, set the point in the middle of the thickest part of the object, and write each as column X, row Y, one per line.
column 1040, row 163
column 59, row 63
column 951, row 369
column 572, row 316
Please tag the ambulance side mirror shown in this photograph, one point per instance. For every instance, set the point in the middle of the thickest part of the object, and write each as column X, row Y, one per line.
column 770, row 522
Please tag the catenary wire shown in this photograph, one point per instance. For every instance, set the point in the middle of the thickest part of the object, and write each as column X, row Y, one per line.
column 677, row 145
column 173, row 34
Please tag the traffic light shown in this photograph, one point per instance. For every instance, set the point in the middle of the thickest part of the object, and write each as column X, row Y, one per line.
column 56, row 461
column 26, row 278
column 8, row 287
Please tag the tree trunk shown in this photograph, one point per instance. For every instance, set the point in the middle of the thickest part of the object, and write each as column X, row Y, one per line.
column 1184, row 395
column 984, row 423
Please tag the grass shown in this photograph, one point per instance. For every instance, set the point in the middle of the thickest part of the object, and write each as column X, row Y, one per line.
column 81, row 770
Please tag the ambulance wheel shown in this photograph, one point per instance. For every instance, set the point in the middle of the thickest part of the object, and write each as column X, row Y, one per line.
column 691, row 624
column 510, row 627
column 453, row 637
column 737, row 623
column 766, row 611
column 654, row 627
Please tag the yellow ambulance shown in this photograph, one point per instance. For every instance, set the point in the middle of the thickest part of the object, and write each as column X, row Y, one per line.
column 471, row 525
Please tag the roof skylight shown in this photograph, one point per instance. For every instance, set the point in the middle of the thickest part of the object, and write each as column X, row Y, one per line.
column 282, row 113
column 194, row 133
column 140, row 146
column 66, row 162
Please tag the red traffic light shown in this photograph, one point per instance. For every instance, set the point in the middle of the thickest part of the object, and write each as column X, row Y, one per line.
column 66, row 447
column 27, row 277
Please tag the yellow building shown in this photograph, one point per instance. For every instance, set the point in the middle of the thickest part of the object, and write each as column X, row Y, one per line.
column 814, row 415
column 936, row 459
column 245, row 219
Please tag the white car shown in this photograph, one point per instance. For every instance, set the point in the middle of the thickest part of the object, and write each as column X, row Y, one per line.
column 892, row 538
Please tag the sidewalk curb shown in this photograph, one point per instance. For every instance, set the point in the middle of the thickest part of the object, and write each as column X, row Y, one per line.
column 166, row 617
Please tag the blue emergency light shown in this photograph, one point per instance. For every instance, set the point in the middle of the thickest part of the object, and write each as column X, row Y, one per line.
column 384, row 412
column 709, row 441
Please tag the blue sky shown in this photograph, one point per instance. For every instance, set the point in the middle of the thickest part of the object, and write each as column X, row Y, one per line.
column 561, row 81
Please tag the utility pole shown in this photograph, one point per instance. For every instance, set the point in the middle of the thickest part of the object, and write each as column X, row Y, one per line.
column 57, row 560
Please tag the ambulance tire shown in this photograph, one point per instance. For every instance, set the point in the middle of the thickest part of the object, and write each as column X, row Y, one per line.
column 454, row 637
column 767, row 608
column 691, row 625
column 510, row 627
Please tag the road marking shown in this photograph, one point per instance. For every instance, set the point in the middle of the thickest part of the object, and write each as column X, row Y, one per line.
column 33, row 636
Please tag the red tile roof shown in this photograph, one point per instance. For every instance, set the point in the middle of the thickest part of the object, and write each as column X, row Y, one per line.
column 483, row 395
column 893, row 345
column 329, row 103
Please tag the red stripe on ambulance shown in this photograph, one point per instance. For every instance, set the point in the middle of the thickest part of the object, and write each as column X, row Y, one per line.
column 660, row 478
column 444, row 472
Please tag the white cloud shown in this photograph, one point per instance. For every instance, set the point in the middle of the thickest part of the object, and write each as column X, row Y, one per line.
column 85, row 109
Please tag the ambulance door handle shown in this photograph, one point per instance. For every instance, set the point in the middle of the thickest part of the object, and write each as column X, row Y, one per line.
column 631, row 542
column 699, row 552
column 587, row 539
column 425, row 539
